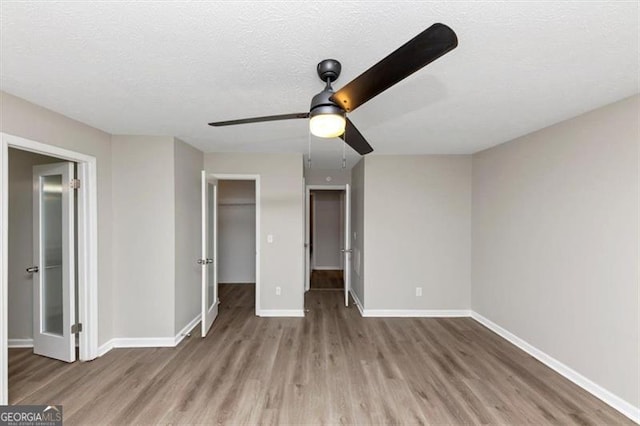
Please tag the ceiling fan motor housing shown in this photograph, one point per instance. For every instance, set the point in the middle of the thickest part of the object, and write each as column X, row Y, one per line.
column 329, row 69
column 322, row 104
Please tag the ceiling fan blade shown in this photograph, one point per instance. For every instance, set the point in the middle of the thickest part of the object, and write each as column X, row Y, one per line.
column 260, row 119
column 355, row 140
column 423, row 49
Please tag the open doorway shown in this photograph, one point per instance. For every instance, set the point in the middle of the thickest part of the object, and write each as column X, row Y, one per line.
column 230, row 243
column 42, row 265
column 237, row 243
column 328, row 253
column 63, row 265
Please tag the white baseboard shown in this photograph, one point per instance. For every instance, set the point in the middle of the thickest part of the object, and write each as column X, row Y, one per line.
column 596, row 390
column 416, row 313
column 328, row 268
column 358, row 302
column 144, row 342
column 281, row 313
column 148, row 342
column 106, row 347
column 186, row 330
column 408, row 313
column 20, row 343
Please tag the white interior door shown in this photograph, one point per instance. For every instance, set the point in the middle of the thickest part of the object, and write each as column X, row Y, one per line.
column 209, row 259
column 54, row 261
column 307, row 243
column 347, row 243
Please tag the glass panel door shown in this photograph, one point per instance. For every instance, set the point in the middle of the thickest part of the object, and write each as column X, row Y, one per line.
column 53, row 261
column 51, row 269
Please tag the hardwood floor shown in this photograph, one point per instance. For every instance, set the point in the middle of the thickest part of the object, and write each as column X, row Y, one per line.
column 331, row 367
column 326, row 280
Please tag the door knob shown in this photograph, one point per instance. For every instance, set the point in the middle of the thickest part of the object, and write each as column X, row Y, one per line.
column 209, row 260
column 33, row 269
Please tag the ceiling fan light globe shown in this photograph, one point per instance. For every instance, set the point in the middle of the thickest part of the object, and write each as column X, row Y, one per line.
column 327, row 125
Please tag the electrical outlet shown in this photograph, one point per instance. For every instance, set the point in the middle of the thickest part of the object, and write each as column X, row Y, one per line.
column 278, row 291
column 270, row 238
column 419, row 291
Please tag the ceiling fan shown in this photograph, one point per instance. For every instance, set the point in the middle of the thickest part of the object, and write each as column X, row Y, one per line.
column 329, row 109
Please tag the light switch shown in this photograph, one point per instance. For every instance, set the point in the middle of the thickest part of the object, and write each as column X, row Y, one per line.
column 270, row 238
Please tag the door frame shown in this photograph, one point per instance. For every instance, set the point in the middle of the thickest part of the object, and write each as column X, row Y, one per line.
column 307, row 226
column 256, row 179
column 87, row 248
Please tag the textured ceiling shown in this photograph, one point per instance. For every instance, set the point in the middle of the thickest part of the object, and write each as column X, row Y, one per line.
column 170, row 67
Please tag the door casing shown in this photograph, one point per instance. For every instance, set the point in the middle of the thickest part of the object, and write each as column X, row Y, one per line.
column 87, row 247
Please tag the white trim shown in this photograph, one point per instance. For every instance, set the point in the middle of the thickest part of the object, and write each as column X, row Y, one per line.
column 237, row 282
column 415, row 313
column 306, row 281
column 325, row 187
column 88, row 259
column 596, row 390
column 408, row 313
column 281, row 313
column 328, row 268
column 256, row 178
column 106, row 347
column 186, row 330
column 305, row 264
column 149, row 342
column 358, row 302
column 20, row 343
column 143, row 342
column 87, row 247
column 4, row 246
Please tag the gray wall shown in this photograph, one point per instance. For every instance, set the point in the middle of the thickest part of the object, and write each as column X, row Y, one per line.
column 157, row 234
column 20, row 253
column 27, row 120
column 326, row 176
column 357, row 231
column 555, row 243
column 282, row 213
column 328, row 225
column 144, row 235
column 418, row 231
column 236, row 231
column 188, row 164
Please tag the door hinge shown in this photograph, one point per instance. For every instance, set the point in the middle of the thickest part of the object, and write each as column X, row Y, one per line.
column 74, row 183
column 76, row 328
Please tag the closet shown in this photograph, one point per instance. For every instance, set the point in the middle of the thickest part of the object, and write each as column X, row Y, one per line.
column 236, row 232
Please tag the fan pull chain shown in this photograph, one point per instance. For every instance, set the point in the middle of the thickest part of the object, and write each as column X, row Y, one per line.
column 309, row 155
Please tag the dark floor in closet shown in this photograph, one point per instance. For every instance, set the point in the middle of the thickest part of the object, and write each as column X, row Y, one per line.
column 327, row 280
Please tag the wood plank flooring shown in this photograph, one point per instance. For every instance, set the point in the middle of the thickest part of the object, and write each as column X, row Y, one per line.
column 326, row 280
column 331, row 367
